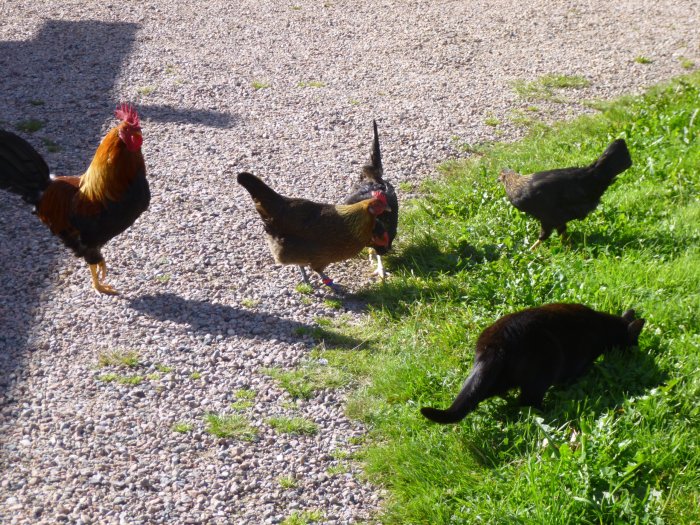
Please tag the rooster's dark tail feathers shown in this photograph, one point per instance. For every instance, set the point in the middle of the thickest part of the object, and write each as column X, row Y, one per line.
column 22, row 169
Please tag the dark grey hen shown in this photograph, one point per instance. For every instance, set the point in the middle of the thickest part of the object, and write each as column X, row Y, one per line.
column 558, row 196
column 371, row 180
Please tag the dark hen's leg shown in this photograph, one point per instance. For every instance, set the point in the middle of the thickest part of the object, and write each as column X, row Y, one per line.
column 303, row 275
column 561, row 230
column 545, row 232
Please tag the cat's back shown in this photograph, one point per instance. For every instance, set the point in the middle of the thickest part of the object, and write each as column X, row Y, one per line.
column 555, row 322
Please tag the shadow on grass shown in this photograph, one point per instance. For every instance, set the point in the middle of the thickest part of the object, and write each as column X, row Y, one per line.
column 331, row 339
column 426, row 258
column 611, row 381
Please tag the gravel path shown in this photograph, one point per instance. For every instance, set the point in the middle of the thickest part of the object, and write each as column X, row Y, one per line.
column 202, row 304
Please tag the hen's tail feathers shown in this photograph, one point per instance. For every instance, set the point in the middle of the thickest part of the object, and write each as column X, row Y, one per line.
column 476, row 389
column 374, row 171
column 614, row 160
column 267, row 200
column 22, row 169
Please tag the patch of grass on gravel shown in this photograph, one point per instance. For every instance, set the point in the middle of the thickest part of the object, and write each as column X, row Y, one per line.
column 622, row 445
column 547, row 87
column 305, row 381
column 182, row 427
column 119, row 358
column 303, row 518
column 287, row 482
column 30, row 126
column 293, row 425
column 230, row 426
column 121, row 379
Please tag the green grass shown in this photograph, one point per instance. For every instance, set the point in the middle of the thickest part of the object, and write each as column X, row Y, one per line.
column 293, row 425
column 112, row 377
column 230, row 426
column 305, row 381
column 119, row 358
column 303, row 518
column 304, row 288
column 50, row 145
column 182, row 427
column 287, row 482
column 30, row 125
column 311, row 84
column 244, row 399
column 260, row 84
column 642, row 60
column 622, row 445
column 491, row 121
column 146, row 90
column 547, row 87
column 686, row 63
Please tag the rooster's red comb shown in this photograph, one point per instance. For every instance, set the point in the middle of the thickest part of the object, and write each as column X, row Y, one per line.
column 127, row 113
column 380, row 196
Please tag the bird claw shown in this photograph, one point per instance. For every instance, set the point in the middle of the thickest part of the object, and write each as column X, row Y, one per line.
column 99, row 272
column 105, row 289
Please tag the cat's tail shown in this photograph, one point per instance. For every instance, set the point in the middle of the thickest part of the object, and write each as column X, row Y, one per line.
column 475, row 389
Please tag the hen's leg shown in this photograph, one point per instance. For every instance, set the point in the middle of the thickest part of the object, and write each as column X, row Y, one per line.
column 303, row 274
column 544, row 235
column 561, row 230
column 97, row 284
column 380, row 268
column 372, row 253
column 329, row 282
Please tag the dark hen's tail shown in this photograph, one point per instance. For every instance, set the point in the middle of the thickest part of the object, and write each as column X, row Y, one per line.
column 614, row 160
column 476, row 389
column 267, row 200
column 22, row 170
column 374, row 171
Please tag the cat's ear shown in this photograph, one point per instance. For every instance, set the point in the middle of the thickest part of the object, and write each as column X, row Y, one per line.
column 628, row 315
column 634, row 329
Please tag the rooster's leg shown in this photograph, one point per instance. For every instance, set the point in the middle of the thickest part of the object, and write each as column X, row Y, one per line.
column 534, row 246
column 95, row 270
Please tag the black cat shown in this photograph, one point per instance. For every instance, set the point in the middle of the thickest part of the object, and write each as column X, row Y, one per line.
column 536, row 348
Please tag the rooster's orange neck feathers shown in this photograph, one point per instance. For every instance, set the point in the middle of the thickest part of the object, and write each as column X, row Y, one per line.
column 112, row 169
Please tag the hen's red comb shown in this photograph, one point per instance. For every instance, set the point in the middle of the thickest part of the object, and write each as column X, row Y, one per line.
column 127, row 113
column 379, row 195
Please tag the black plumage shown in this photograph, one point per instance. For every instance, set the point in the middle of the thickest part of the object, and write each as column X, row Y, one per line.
column 371, row 180
column 558, row 196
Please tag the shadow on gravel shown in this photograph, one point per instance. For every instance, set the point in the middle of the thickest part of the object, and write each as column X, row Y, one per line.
column 217, row 319
column 210, row 118
column 62, row 79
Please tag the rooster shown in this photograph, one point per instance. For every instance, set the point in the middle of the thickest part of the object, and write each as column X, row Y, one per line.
column 88, row 210
column 371, row 180
column 308, row 233
column 558, row 196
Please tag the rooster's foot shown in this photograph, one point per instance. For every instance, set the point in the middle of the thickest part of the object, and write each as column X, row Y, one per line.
column 98, row 272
